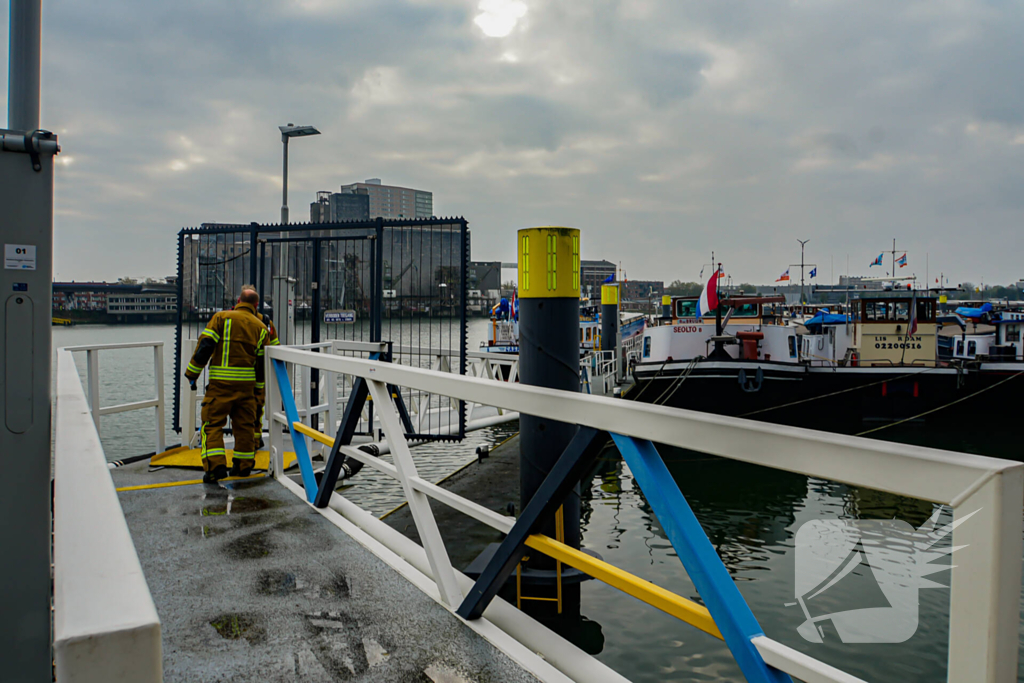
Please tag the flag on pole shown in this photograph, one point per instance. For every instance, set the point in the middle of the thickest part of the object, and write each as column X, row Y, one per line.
column 721, row 273
column 708, row 301
column 784, row 277
column 814, row 272
column 902, row 261
column 912, row 327
column 877, row 261
column 610, row 278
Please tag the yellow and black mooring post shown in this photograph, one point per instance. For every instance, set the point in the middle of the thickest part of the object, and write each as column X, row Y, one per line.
column 610, row 322
column 549, row 356
column 666, row 307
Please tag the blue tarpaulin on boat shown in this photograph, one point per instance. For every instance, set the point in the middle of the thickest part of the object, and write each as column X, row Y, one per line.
column 826, row 319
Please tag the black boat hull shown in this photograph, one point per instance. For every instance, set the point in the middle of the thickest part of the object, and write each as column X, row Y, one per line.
column 833, row 399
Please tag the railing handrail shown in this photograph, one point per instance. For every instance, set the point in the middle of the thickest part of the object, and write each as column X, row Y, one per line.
column 983, row 623
column 93, row 381
column 105, row 623
column 662, row 424
column 107, row 347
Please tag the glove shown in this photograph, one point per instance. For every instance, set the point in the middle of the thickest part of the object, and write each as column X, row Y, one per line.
column 192, row 383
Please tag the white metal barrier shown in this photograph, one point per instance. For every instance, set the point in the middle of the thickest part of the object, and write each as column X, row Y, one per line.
column 106, row 628
column 92, row 361
column 333, row 390
column 984, row 610
column 602, row 369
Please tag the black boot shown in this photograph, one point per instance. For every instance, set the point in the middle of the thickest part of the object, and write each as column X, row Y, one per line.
column 216, row 474
column 236, row 470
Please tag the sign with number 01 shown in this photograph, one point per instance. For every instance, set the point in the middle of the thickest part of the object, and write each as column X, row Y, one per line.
column 19, row 257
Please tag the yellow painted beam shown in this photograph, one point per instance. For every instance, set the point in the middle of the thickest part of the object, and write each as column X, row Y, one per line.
column 313, row 434
column 645, row 591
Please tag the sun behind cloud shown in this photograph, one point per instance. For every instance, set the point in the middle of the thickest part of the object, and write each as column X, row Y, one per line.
column 497, row 18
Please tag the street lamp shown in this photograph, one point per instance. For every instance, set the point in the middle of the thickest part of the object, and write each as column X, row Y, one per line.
column 291, row 131
column 803, row 243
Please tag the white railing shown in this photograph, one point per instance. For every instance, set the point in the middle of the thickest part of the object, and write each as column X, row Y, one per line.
column 984, row 610
column 92, row 364
column 333, row 390
column 105, row 623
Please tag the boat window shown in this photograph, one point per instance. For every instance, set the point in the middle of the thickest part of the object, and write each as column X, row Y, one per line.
column 647, row 347
column 972, row 348
column 925, row 310
column 960, row 347
column 686, row 308
column 792, row 346
column 900, row 311
column 590, row 331
column 745, row 311
column 876, row 311
column 581, row 334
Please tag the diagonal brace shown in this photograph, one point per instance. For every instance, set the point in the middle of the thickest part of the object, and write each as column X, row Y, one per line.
column 574, row 462
column 710, row 577
column 298, row 440
column 346, row 430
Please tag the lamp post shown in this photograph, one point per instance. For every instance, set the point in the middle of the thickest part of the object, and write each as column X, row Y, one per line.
column 803, row 243
column 290, row 131
column 283, row 293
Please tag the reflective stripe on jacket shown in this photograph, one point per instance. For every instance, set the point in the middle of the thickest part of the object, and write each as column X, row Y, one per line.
column 232, row 344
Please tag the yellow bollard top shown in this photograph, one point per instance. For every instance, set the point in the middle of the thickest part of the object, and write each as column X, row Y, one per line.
column 609, row 295
column 666, row 300
column 549, row 263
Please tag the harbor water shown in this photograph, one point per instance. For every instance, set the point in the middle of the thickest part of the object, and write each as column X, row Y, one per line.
column 750, row 513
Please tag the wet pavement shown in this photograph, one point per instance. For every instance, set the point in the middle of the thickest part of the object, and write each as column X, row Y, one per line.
column 251, row 584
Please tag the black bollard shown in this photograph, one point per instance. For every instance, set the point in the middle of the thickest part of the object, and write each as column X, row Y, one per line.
column 549, row 356
column 666, row 307
column 610, row 321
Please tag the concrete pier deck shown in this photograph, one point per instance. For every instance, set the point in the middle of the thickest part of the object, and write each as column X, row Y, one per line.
column 252, row 584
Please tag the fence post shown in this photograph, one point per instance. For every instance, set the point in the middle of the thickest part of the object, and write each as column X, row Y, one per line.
column 274, row 405
column 984, row 606
column 176, row 378
column 158, row 377
column 92, row 361
column 419, row 503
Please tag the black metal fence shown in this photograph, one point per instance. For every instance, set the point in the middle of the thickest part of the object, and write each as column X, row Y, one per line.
column 396, row 281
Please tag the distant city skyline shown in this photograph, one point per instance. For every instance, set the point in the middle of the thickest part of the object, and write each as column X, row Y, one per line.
column 662, row 130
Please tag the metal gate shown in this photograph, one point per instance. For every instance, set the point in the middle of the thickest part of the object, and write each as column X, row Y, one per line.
column 401, row 282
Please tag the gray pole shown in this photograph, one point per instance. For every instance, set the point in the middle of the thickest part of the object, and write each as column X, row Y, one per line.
column 284, row 186
column 26, row 193
column 23, row 65
column 802, row 297
column 549, row 356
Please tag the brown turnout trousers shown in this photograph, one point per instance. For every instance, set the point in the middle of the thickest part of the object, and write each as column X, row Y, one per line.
column 237, row 401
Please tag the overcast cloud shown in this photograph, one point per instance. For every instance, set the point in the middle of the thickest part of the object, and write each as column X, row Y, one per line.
column 662, row 129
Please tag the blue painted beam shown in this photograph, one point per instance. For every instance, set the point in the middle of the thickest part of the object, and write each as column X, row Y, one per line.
column 298, row 440
column 730, row 611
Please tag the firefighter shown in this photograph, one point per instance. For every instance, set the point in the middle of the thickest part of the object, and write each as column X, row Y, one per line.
column 233, row 344
column 260, row 392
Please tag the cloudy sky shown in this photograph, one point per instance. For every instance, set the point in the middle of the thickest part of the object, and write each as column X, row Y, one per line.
column 662, row 129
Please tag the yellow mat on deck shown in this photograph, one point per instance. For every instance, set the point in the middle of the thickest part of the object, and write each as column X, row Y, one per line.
column 189, row 457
